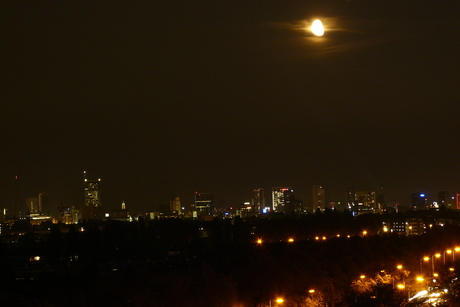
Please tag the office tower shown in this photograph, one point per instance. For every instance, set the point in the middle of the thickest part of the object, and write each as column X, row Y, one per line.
column 282, row 197
column 351, row 198
column 318, row 198
column 365, row 201
column 32, row 205
column 43, row 203
column 258, row 200
column 443, row 199
column 93, row 193
column 174, row 205
column 204, row 203
column 92, row 208
column 419, row 201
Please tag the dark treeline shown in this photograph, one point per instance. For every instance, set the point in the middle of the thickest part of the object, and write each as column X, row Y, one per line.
column 175, row 262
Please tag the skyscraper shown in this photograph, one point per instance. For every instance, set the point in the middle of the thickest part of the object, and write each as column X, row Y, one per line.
column 351, row 198
column 282, row 197
column 419, row 201
column 175, row 206
column 319, row 201
column 92, row 208
column 204, row 203
column 258, row 200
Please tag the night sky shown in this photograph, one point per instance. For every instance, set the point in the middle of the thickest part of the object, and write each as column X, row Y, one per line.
column 162, row 98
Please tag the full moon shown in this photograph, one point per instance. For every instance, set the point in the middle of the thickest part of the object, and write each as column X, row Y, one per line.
column 317, row 27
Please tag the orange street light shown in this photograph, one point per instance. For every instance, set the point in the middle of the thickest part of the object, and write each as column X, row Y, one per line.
column 401, row 286
column 399, row 267
column 290, row 240
column 259, row 241
column 279, row 300
column 311, row 291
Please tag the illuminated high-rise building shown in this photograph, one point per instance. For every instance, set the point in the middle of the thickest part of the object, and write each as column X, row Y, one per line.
column 282, row 197
column 175, row 205
column 351, row 198
column 365, row 201
column 92, row 208
column 93, row 193
column 319, row 201
column 32, row 205
column 258, row 201
column 204, row 203
column 419, row 201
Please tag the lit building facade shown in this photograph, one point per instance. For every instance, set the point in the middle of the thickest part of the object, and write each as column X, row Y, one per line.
column 92, row 208
column 204, row 204
column 319, row 201
column 258, row 201
column 365, row 202
column 419, row 201
column 282, row 198
column 175, row 206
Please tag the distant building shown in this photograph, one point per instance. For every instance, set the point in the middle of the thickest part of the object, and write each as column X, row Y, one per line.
column 282, row 198
column 32, row 205
column 92, row 208
column 175, row 206
column 319, row 201
column 204, row 204
column 443, row 199
column 365, row 202
column 68, row 214
column 351, row 198
column 120, row 215
column 419, row 201
column 258, row 201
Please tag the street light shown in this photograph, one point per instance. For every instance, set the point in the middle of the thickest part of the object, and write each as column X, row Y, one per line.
column 278, row 301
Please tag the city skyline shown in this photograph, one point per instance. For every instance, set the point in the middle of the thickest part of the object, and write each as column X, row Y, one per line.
column 167, row 98
column 278, row 199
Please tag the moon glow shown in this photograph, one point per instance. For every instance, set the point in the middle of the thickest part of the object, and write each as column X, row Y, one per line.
column 317, row 27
